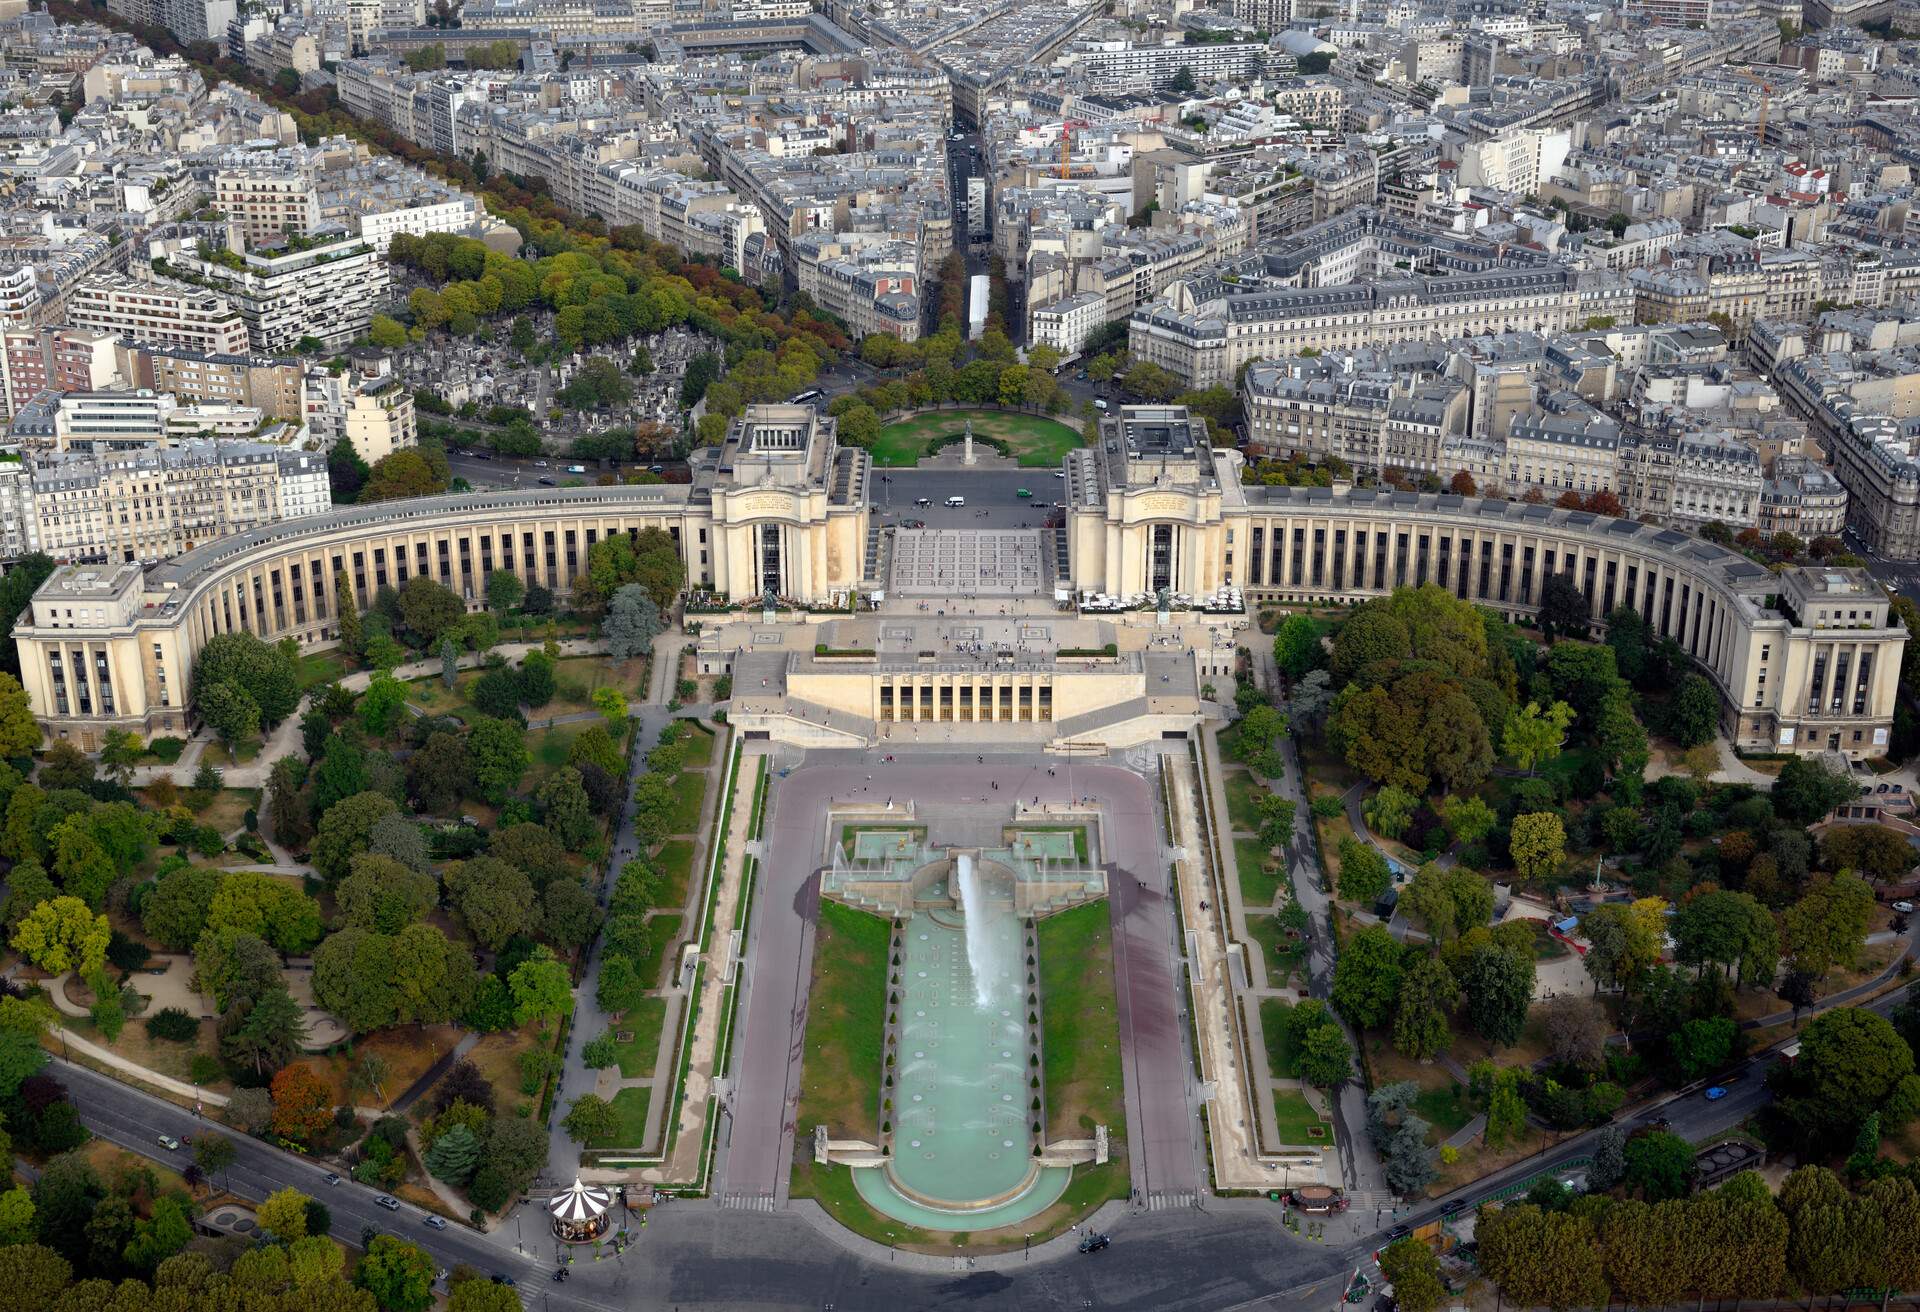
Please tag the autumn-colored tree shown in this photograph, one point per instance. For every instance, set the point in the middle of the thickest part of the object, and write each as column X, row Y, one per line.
column 302, row 1103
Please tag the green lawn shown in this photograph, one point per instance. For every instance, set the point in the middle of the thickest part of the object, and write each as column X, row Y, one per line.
column 699, row 745
column 1282, row 1060
column 1080, row 1027
column 665, row 929
column 1284, row 955
column 846, row 1019
column 631, row 1107
column 1037, row 442
column 1293, row 1117
column 320, row 667
column 1445, row 1109
column 1260, row 874
column 675, row 860
column 1243, row 791
column 688, row 788
column 833, row 1188
column 644, row 1018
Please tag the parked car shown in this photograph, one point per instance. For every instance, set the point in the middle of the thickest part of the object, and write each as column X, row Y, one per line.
column 331, row 1178
column 437, row 1222
column 1399, row 1232
column 391, row 1204
column 170, row 1143
column 1905, row 908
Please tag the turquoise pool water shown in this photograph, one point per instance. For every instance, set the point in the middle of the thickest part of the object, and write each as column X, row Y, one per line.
column 962, row 1137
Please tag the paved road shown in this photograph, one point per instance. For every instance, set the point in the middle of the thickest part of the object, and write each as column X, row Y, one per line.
column 134, row 1120
column 759, row 1143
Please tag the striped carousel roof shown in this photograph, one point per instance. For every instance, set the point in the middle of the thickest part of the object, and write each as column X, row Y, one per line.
column 581, row 1202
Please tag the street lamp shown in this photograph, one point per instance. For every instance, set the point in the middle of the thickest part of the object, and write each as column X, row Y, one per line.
column 893, row 1253
column 1026, row 1249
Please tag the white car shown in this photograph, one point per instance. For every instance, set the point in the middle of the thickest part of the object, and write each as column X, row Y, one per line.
column 1904, row 908
column 170, row 1143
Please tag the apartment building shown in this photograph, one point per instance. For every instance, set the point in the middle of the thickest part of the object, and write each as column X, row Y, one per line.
column 1121, row 65
column 110, row 421
column 325, row 287
column 38, row 360
column 269, row 203
column 273, row 387
column 1372, row 417
column 148, row 504
column 162, row 311
column 1803, row 499
column 1066, row 324
column 873, row 286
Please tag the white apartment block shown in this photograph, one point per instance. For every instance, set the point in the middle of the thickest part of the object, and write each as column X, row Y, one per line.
column 147, row 505
column 326, row 288
column 1065, row 325
column 162, row 311
column 1119, row 64
column 111, row 421
column 872, row 286
column 267, row 203
column 1517, row 162
column 379, row 419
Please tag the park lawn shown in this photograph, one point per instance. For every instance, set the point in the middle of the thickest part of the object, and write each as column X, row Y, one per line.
column 1445, row 1109
column 109, row 1161
column 1243, row 795
column 1036, row 442
column 664, row 929
column 1284, row 954
column 1294, row 1118
column 637, row 1055
column 318, row 667
column 1079, row 1023
column 408, row 1050
column 217, row 754
column 630, row 1106
column 698, row 744
column 675, row 859
column 159, row 1055
column 1260, row 874
column 689, row 786
column 228, row 809
column 549, row 748
column 1282, row 1060
column 498, row 1057
column 846, row 1022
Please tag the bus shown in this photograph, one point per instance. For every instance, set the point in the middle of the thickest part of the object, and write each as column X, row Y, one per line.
column 805, row 397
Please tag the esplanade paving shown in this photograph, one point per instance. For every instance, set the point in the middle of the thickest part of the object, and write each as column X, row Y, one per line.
column 1804, row 660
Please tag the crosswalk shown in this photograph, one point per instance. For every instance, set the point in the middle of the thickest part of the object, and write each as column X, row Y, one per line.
column 749, row 1202
column 1161, row 1201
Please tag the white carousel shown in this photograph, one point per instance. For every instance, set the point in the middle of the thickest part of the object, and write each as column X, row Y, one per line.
column 581, row 1213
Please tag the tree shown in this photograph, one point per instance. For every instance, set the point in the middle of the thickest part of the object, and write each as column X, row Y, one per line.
column 1390, row 811
column 564, row 808
column 1532, row 737
column 1448, row 901
column 383, row 895
column 1326, row 1059
column 611, row 703
column 498, row 753
column 439, row 773
column 1468, row 818
column 1182, row 81
column 455, row 1155
column 32, row 1276
column 1702, row 1045
column 16, row 1217
column 494, row 899
column 1659, row 1165
column 398, row 1274
column 1577, row 1032
column 1827, row 927
column 541, row 990
column 1296, row 646
column 1564, row 608
column 345, row 830
column 1538, row 842
column 1851, row 1062
column 263, row 671
column 233, row 715
column 284, row 1213
column 1428, row 995
column 632, row 623
column 63, row 935
column 1693, row 716
column 1498, row 984
column 266, row 1034
column 591, row 1119
column 19, row 732
column 1363, row 872
column 1805, row 791
column 1540, row 1258
column 214, row 1152
column 1366, row 978
column 302, row 1103
column 1411, row 1268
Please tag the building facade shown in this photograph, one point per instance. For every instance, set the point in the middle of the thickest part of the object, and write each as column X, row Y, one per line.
column 1804, row 660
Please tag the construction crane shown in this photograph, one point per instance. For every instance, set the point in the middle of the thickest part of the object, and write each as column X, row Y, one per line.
column 1067, row 125
column 1760, row 128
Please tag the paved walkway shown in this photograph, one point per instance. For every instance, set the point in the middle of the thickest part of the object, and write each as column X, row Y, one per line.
column 139, row 1072
column 1359, row 1163
column 431, row 1076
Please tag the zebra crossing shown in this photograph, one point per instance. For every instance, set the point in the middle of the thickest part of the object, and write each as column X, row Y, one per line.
column 1162, row 1201
column 749, row 1202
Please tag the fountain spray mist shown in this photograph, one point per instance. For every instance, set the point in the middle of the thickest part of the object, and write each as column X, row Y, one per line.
column 980, row 949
